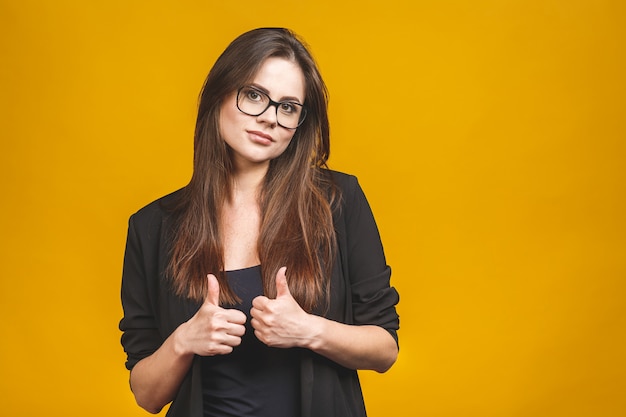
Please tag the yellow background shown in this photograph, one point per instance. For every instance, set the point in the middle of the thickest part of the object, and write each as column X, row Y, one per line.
column 488, row 135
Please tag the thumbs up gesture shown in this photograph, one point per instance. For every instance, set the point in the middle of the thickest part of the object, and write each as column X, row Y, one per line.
column 213, row 330
column 280, row 322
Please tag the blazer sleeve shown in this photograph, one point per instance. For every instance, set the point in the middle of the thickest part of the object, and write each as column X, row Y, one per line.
column 373, row 299
column 140, row 337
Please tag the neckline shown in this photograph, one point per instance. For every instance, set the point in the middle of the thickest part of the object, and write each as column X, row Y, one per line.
column 243, row 269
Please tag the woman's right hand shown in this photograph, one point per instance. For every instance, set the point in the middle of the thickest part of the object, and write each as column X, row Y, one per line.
column 213, row 330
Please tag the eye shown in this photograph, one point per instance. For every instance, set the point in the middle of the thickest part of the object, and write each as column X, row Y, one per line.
column 288, row 108
column 253, row 95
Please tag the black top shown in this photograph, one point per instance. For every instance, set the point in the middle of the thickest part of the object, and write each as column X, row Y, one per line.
column 254, row 380
column 360, row 294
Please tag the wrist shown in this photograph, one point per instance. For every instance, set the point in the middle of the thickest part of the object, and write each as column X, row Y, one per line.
column 316, row 325
column 179, row 346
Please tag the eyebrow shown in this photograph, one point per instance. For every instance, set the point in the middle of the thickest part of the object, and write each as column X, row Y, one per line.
column 284, row 98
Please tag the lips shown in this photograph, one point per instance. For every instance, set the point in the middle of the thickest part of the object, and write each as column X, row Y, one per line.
column 261, row 135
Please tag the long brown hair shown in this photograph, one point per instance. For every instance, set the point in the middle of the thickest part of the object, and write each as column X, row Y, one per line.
column 297, row 195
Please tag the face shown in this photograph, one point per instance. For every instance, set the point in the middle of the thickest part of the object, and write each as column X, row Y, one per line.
column 255, row 140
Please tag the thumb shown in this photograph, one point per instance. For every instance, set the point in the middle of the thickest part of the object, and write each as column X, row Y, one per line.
column 213, row 292
column 282, row 289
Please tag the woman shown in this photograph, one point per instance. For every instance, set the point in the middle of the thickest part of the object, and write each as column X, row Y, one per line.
column 261, row 287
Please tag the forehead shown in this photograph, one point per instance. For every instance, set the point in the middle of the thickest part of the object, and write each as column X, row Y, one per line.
column 281, row 78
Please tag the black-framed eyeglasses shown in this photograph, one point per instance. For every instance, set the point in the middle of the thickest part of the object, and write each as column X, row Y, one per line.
column 254, row 102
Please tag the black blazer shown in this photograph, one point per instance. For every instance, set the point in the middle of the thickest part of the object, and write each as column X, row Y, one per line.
column 360, row 294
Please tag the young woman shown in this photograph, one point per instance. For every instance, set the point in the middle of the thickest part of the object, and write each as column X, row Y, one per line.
column 261, row 287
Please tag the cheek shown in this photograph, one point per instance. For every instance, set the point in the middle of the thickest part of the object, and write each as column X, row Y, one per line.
column 285, row 143
column 229, row 115
column 286, row 138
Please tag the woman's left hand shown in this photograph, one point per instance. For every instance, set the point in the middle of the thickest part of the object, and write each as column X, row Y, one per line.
column 281, row 322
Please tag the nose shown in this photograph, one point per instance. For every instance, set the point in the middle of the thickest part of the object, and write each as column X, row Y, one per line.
column 269, row 115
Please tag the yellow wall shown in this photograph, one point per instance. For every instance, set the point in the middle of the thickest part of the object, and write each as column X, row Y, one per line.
column 488, row 135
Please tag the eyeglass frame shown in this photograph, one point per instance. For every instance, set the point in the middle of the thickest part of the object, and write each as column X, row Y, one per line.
column 270, row 104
